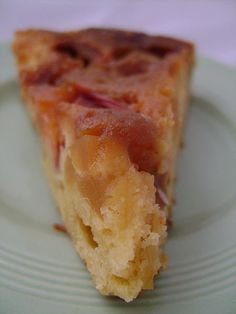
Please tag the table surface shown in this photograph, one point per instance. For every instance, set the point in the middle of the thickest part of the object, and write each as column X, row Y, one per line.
column 211, row 24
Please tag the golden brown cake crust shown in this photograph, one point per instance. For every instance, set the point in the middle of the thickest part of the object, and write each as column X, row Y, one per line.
column 101, row 45
column 100, row 70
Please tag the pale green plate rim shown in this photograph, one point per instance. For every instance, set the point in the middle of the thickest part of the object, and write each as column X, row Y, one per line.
column 15, row 301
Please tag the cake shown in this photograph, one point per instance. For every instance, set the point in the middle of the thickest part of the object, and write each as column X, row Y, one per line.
column 109, row 107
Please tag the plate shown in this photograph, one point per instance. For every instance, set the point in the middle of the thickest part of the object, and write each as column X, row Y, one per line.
column 40, row 271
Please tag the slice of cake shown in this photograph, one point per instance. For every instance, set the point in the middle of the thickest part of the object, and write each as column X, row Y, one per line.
column 109, row 107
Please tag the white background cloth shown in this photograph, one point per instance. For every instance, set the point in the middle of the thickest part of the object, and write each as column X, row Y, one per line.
column 211, row 24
